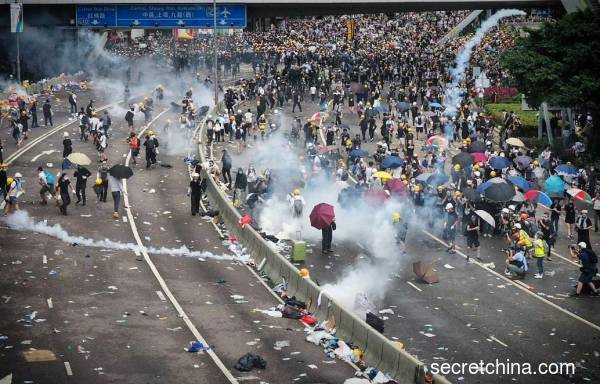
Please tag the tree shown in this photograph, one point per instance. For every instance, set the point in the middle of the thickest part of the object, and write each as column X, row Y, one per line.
column 560, row 64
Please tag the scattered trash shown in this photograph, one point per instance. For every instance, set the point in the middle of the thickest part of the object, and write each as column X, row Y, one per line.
column 424, row 271
column 174, row 329
column 448, row 266
column 38, row 355
column 195, row 347
column 281, row 344
column 388, row 311
column 250, row 361
column 112, row 287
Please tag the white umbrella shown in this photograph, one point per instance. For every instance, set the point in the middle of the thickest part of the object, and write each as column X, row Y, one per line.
column 486, row 217
column 515, row 142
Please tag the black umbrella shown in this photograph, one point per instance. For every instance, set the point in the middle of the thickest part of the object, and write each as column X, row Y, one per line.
column 477, row 146
column 463, row 158
column 120, row 171
column 500, row 192
column 403, row 106
column 471, row 194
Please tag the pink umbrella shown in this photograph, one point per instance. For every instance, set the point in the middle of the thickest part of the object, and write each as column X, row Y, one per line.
column 322, row 215
column 397, row 188
column 479, row 157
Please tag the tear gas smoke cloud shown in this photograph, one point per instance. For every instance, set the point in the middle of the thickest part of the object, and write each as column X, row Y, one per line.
column 458, row 72
column 21, row 221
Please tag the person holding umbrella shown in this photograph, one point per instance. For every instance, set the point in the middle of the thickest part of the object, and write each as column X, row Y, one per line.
column 323, row 217
column 116, row 188
column 327, row 237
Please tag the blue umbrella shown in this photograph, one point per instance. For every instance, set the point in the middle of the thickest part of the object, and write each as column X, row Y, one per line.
column 359, row 153
column 345, row 126
column 483, row 186
column 435, row 105
column 392, row 162
column 381, row 109
column 520, row 182
column 567, row 170
column 499, row 162
column 437, row 178
column 554, row 186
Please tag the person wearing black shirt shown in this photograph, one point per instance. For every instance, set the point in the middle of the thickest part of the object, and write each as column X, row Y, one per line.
column 47, row 110
column 33, row 112
column 327, row 234
column 473, row 237
column 555, row 209
column 195, row 192
column 450, row 228
column 583, row 225
column 67, row 145
column 81, row 175
column 589, row 267
column 63, row 188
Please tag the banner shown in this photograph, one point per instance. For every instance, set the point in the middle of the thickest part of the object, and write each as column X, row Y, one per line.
column 16, row 17
column 350, row 28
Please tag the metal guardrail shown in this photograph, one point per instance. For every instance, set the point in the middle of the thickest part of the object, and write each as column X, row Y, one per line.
column 379, row 352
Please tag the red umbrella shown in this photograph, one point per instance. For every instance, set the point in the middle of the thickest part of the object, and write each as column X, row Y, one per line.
column 479, row 157
column 397, row 187
column 376, row 198
column 322, row 215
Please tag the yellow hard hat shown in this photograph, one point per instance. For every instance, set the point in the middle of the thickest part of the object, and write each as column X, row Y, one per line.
column 402, row 177
column 399, row 344
column 536, row 163
column 396, row 216
column 468, row 140
column 493, row 173
column 296, row 192
column 440, row 187
column 304, row 273
column 417, row 188
column 98, row 181
column 150, row 132
column 3, row 165
column 457, row 194
column 476, row 167
column 457, row 167
column 9, row 181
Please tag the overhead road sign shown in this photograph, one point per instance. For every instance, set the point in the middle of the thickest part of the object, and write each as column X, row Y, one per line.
column 160, row 16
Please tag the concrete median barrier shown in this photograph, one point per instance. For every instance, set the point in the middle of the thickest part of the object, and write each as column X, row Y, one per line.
column 379, row 352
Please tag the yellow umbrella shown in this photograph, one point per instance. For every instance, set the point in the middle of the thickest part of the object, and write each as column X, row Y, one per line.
column 79, row 158
column 384, row 176
column 515, row 142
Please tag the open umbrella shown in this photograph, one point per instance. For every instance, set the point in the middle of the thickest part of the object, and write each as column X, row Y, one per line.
column 348, row 196
column 345, row 126
column 580, row 195
column 515, row 142
column 486, row 217
column 79, row 158
column 403, row 106
column 397, row 188
column 429, row 113
column 479, row 157
column 435, row 105
column 497, row 180
column 322, row 215
column 518, row 197
column 392, row 162
column 376, row 197
column 438, row 141
column 437, row 178
column 520, row 182
column 120, row 171
column 499, row 162
column 477, row 146
column 424, row 177
column 554, row 186
column 317, row 116
column 463, row 158
column 538, row 197
column 500, row 192
column 384, row 176
column 472, row 194
column 359, row 153
column 566, row 170
column 523, row 162
column 425, row 272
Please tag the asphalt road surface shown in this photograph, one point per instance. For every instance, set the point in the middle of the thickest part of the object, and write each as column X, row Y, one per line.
column 475, row 312
column 100, row 315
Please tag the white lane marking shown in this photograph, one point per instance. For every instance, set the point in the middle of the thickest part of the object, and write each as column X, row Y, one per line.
column 498, row 341
column 159, row 278
column 7, row 379
column 161, row 296
column 49, row 301
column 414, row 286
column 124, row 219
column 523, row 288
column 44, row 259
column 49, row 152
column 68, row 368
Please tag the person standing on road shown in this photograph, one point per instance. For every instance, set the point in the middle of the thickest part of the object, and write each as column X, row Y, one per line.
column 46, row 180
column 195, row 192
column 129, row 119
column 14, row 190
column 106, row 122
column 3, row 180
column 570, row 217
column 327, row 237
column 24, row 121
column 84, row 122
column 296, row 101
column 134, row 146
column 595, row 206
column 589, row 267
column 401, row 230
column 583, row 225
column 116, row 189
column 555, row 210
column 240, row 185
column 63, row 190
column 473, row 238
column 450, row 227
column 226, row 164
column 81, row 175
column 539, row 252
column 47, row 111
column 67, row 145
column 102, row 174
column 151, row 145
column 33, row 113
column 73, row 103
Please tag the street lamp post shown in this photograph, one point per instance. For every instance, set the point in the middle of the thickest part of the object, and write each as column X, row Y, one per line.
column 215, row 60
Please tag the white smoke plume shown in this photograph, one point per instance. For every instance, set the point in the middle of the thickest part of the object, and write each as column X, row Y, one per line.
column 21, row 221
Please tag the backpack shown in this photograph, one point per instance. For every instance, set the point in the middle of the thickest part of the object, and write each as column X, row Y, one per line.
column 298, row 206
column 150, row 144
column 50, row 180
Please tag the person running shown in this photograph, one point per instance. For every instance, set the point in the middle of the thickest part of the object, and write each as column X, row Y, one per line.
column 64, row 184
column 67, row 145
column 14, row 190
column 226, row 168
column 81, row 175
column 134, row 146
column 47, row 181
column 151, row 145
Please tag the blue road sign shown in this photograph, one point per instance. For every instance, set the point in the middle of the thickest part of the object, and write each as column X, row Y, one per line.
column 161, row 16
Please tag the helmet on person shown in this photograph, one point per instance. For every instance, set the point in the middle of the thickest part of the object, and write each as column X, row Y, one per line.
column 9, row 181
column 457, row 194
column 524, row 216
column 505, row 210
column 403, row 177
column 304, row 273
column 417, row 188
column 457, row 167
column 476, row 167
column 195, row 175
column 396, row 217
column 493, row 173
column 18, row 175
column 518, row 226
column 98, row 181
column 536, row 163
column 477, row 174
column 440, row 188
column 449, row 206
column 296, row 192
column 150, row 132
column 468, row 140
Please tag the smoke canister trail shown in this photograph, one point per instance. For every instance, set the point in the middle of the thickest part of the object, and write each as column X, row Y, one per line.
column 21, row 221
column 458, row 72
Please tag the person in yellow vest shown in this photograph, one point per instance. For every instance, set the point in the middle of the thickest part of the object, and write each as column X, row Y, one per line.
column 539, row 252
column 524, row 239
